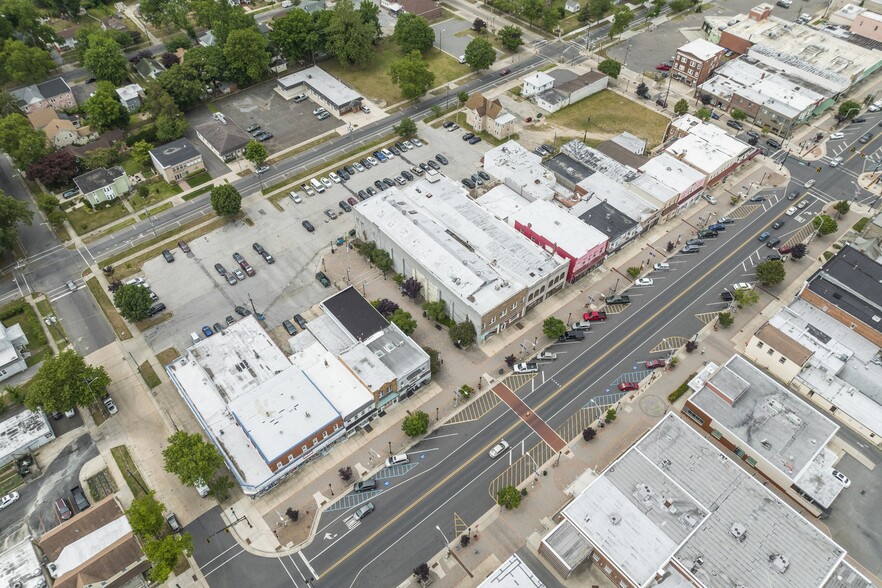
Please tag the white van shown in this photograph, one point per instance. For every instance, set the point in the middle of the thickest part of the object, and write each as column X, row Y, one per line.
column 201, row 488
column 195, row 338
column 319, row 187
column 399, row 459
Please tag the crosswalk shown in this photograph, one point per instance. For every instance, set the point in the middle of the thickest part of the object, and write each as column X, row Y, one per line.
column 351, row 522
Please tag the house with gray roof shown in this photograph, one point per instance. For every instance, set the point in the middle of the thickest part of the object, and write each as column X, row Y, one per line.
column 102, row 184
column 13, row 344
column 224, row 140
column 568, row 88
column 176, row 160
column 54, row 93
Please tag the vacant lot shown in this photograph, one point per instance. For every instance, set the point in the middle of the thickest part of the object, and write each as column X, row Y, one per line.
column 607, row 112
column 373, row 81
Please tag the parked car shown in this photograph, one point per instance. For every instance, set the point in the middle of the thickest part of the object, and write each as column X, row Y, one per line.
column 8, row 499
column 475, row 140
column 330, row 214
column 62, row 509
column 289, row 327
column 690, row 249
column 526, row 368
column 581, row 326
column 79, row 498
column 594, row 315
column 664, row 66
column 654, row 364
column 301, row 322
column 708, row 234
column 717, row 227
column 771, row 243
column 220, row 269
column 695, row 242
column 173, row 523
column 467, row 136
column 643, row 282
column 773, row 143
column 156, row 309
column 499, row 449
column 184, row 247
column 546, row 356
column 662, row 267
column 842, row 478
column 628, row 386
column 710, row 199
column 169, row 258
column 345, row 206
column 70, row 193
column 571, row 336
column 395, row 460
column 618, row 299
column 110, row 406
column 323, row 279
column 240, row 275
column 252, row 128
column 802, row 204
column 468, row 183
column 368, row 485
column 734, row 124
column 441, row 159
column 242, row 311
column 774, row 257
column 308, row 226
column 725, row 220
column 727, row 296
column 206, row 330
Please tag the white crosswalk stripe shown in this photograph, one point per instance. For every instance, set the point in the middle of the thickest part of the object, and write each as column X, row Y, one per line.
column 352, row 522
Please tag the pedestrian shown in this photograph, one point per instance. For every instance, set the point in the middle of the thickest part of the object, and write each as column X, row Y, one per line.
column 702, row 350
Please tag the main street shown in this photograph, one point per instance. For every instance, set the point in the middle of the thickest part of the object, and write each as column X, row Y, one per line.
column 450, row 472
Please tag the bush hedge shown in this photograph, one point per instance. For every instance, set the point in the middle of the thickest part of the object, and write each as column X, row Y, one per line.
column 681, row 390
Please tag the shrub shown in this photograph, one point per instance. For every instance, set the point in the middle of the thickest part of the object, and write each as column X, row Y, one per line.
column 511, row 360
column 293, row 514
column 634, row 271
column 466, row 391
column 680, row 391
column 588, row 434
column 345, row 473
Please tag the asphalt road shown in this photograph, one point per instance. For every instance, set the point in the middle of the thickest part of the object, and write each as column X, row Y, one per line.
column 450, row 472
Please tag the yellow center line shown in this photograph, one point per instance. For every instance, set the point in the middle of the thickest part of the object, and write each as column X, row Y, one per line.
column 536, row 408
column 859, row 150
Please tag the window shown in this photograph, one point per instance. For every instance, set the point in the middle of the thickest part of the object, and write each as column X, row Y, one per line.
column 514, row 306
column 771, row 351
column 324, row 434
column 304, row 449
column 336, row 426
column 759, row 344
column 314, row 441
column 493, row 320
column 693, row 416
column 503, row 313
column 783, row 360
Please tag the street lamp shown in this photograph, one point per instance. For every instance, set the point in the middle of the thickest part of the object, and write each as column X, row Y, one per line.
column 446, row 542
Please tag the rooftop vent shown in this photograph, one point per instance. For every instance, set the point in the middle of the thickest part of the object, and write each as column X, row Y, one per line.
column 738, row 531
column 779, row 562
column 615, row 518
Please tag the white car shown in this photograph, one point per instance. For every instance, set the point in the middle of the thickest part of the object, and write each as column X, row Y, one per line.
column 326, row 182
column 546, row 356
column 500, row 448
column 373, row 161
column 387, row 153
column 526, row 368
column 808, row 184
column 296, row 198
column 791, row 211
column 408, row 144
column 643, row 282
column 416, row 142
column 837, row 136
column 835, row 162
column 836, row 474
column 661, row 267
column 709, row 198
column 358, row 167
column 318, row 111
column 334, row 177
column 741, row 286
column 13, row 496
column 111, row 407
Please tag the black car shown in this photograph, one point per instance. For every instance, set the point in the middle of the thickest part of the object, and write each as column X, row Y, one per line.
column 344, row 175
column 365, row 164
column 859, row 119
column 474, row 140
column 618, row 299
column 79, row 498
column 156, row 309
column 773, row 257
column 301, row 322
column 467, row 136
column 468, row 183
column 380, row 185
column 778, row 224
column 424, row 167
column 349, row 170
column 707, row 234
column 484, row 175
column 407, row 175
column 267, row 257
column 773, row 242
column 433, row 164
column 220, row 269
column 370, row 191
column 308, row 226
column 258, row 248
column 572, row 336
column 323, row 279
column 727, row 296
column 773, row 143
column 289, row 326
column 734, row 124
column 362, row 195
column 389, row 183
column 168, row 255
column 230, row 320
column 757, row 198
column 395, row 151
column 345, row 206
column 242, row 311
column 217, row 327
column 793, row 195
column 441, row 159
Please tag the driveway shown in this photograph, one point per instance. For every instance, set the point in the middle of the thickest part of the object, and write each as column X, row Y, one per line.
column 213, row 163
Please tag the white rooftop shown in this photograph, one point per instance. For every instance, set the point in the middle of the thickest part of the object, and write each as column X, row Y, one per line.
column 129, row 92
column 21, row 430
column 701, row 49
column 85, row 548
column 567, row 231
column 598, row 161
column 503, row 202
column 19, row 566
column 774, row 91
column 540, row 78
column 8, row 336
column 254, row 404
column 632, row 143
column 712, row 134
column 513, row 573
column 701, row 154
column 521, row 170
column 845, row 368
column 675, row 497
column 630, row 200
column 324, row 83
column 467, row 249
column 671, row 172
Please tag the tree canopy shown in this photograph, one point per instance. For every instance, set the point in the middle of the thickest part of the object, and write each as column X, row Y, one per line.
column 65, row 381
column 12, row 212
column 296, row 35
column 133, row 301
column 22, row 142
column 104, row 110
column 415, row 424
column 184, row 84
column 147, row 516
column 246, row 55
column 463, row 333
column 55, row 170
column 406, row 127
column 349, row 38
column 553, row 327
column 412, row 75
column 191, row 458
column 255, row 152
column 225, row 199
column 105, row 59
column 164, row 554
column 404, row 321
column 508, row 498
column 23, row 64
column 610, row 67
column 511, row 37
column 480, row 54
column 413, row 33
column 681, row 107
column 825, row 224
column 770, row 272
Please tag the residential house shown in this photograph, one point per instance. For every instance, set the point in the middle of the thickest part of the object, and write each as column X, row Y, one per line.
column 61, row 133
column 130, row 96
column 536, row 83
column 67, row 40
column 278, row 65
column 176, row 160
column 572, row 6
column 428, row 9
column 149, row 68
column 488, row 115
column 776, row 352
column 13, row 348
column 54, row 93
column 206, row 39
column 96, row 547
column 102, row 185
column 226, row 141
column 566, row 87
column 695, row 61
column 113, row 23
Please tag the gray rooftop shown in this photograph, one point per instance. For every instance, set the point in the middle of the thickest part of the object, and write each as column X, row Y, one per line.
column 53, row 87
column 20, row 566
column 97, row 179
column 225, row 139
column 567, row 169
column 597, row 161
column 355, row 314
column 322, row 82
column 764, row 415
column 852, row 282
column 608, row 220
column 175, row 152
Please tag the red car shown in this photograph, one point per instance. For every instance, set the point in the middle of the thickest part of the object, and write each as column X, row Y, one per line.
column 505, row 72
column 353, row 201
column 663, row 67
column 628, row 386
column 654, row 364
column 594, row 315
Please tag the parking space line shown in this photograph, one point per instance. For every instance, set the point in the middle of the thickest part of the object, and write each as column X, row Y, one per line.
column 476, row 409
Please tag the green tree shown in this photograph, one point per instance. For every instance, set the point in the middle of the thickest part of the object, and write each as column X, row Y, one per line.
column 463, row 97
column 170, row 126
column 703, row 113
column 621, row 20
column 415, row 424
column 23, row 64
column 553, row 327
column 610, row 415
column 849, row 109
column 133, row 301
column 349, row 38
column 191, row 458
column 681, row 107
column 404, row 321
column 8, row 104
column 738, row 114
column 413, row 33
column 799, row 251
column 511, row 37
column 725, row 319
column 65, row 381
column 634, row 271
column 219, row 488
column 842, row 207
column 69, row 8
column 825, row 225
column 22, row 142
column 147, row 516
column 463, row 333
column 771, row 272
column 246, row 55
column 141, row 152
column 102, row 157
column 594, row 10
column 370, row 16
column 23, row 17
column 745, row 298
column 382, row 260
column 164, row 554
column 610, row 67
column 508, row 497
column 406, row 127
column 434, row 359
column 12, row 212
column 436, row 311
column 412, row 75
column 225, row 200
column 480, row 54
column 296, row 35
column 531, row 10
column 551, row 16
column 104, row 110
column 255, row 152
column 208, row 63
column 183, row 84
column 105, row 59
column 163, row 12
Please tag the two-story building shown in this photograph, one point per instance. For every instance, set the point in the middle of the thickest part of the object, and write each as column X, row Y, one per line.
column 488, row 115
column 103, row 185
column 54, row 93
column 224, row 140
column 176, row 160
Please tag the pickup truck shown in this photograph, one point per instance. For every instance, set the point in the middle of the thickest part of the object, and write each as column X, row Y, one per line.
column 618, row 299
column 594, row 315
column 546, row 356
column 307, row 189
column 526, row 368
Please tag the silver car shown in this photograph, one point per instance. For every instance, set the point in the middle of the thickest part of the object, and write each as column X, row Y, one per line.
column 499, row 449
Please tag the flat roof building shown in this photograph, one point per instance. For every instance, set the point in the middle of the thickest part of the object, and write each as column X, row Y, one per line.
column 521, row 170
column 484, row 270
column 176, row 160
column 686, row 182
column 708, row 148
column 324, row 88
column 20, row 567
column 23, row 432
column 675, row 510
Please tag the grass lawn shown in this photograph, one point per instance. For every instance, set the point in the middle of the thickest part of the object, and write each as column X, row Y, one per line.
column 166, row 356
column 149, row 375
column 159, row 190
column 84, row 220
column 116, row 321
column 129, row 471
column 373, row 81
column 132, row 167
column 32, row 329
column 45, row 310
column 607, row 112
column 197, row 178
